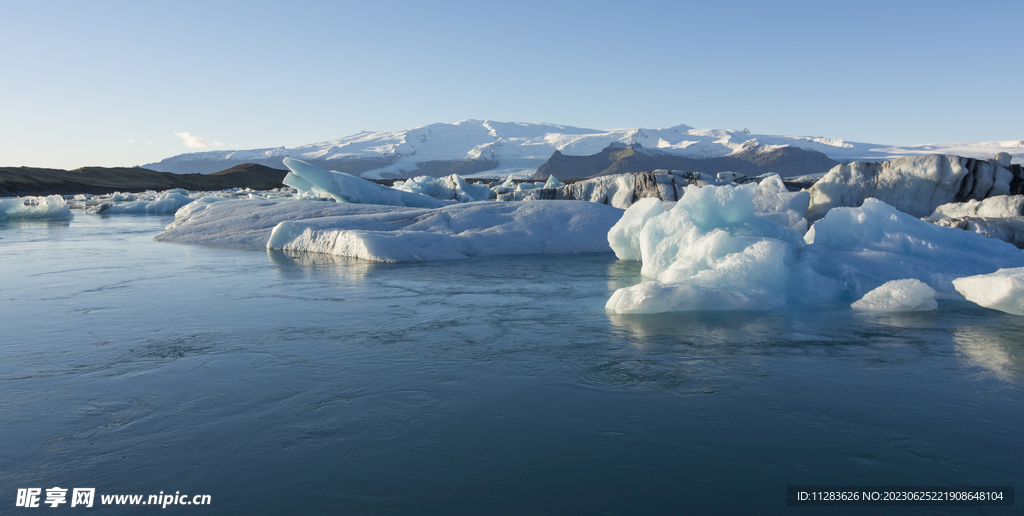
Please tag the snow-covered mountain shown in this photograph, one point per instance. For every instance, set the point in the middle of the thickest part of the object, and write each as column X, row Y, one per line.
column 493, row 149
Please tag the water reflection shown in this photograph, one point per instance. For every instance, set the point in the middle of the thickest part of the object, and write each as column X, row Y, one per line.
column 49, row 224
column 352, row 270
column 997, row 350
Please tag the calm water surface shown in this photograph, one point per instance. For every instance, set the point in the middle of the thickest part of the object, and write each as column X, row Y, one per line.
column 303, row 384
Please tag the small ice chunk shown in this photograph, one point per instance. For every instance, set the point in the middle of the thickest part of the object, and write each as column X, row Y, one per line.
column 168, row 202
column 553, row 182
column 34, row 208
column 651, row 297
column 1002, row 290
column 905, row 295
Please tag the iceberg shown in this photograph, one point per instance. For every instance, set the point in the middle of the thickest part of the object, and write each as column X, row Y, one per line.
column 906, row 295
column 915, row 185
column 346, row 188
column 398, row 233
column 712, row 252
column 1007, row 229
column 618, row 190
column 168, row 202
column 451, row 188
column 455, row 232
column 1002, row 290
column 34, row 208
column 1000, row 206
column 877, row 243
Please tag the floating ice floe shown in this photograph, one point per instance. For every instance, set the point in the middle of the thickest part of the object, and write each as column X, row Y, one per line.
column 347, row 188
column 166, row 203
column 712, row 252
column 34, row 208
column 250, row 221
column 397, row 233
column 455, row 232
column 906, row 295
column 1002, row 290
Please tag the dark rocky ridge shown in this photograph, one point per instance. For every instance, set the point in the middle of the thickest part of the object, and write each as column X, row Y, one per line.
column 620, row 159
column 21, row 181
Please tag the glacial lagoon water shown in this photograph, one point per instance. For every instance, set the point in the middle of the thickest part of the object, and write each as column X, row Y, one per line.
column 305, row 384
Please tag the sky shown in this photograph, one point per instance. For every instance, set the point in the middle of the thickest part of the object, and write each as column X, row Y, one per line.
column 108, row 83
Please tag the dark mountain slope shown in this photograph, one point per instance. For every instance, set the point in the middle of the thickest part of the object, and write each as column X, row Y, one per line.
column 18, row 181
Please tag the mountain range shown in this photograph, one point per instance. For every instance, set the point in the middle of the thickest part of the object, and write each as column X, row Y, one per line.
column 484, row 148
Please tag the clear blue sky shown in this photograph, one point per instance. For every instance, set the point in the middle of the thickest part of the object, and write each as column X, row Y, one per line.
column 111, row 83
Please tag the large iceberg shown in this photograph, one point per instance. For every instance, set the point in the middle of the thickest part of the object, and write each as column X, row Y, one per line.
column 347, row 188
column 1000, row 206
column 1000, row 217
column 877, row 243
column 34, row 208
column 914, row 185
column 712, row 252
column 1002, row 290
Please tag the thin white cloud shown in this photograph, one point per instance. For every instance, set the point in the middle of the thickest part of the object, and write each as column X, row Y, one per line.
column 197, row 142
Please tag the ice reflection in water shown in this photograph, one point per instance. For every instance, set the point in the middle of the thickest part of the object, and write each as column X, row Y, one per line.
column 997, row 350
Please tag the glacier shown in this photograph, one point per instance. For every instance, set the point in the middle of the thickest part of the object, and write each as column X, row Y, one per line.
column 518, row 149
